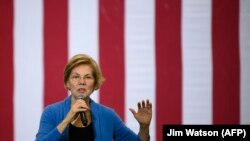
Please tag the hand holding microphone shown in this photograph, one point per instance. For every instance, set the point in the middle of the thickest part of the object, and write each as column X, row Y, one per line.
column 82, row 114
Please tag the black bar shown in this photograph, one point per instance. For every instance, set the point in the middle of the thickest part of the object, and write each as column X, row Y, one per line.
column 214, row 132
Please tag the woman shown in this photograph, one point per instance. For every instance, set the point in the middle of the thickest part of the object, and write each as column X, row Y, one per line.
column 62, row 121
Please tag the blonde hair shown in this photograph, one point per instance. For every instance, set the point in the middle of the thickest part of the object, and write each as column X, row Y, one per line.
column 80, row 59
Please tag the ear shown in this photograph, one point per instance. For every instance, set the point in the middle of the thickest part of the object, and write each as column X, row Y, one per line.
column 67, row 86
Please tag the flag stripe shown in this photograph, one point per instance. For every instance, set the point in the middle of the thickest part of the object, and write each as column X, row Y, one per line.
column 7, row 70
column 83, row 30
column 196, row 53
column 28, row 74
column 55, row 49
column 111, row 46
column 168, row 64
column 245, row 63
column 225, row 48
column 139, row 58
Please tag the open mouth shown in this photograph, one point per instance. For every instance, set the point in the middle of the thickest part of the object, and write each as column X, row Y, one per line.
column 81, row 90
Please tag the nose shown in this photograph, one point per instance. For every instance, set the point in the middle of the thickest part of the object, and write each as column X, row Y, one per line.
column 82, row 80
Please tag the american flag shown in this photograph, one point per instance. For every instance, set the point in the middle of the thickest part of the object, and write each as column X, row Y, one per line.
column 190, row 58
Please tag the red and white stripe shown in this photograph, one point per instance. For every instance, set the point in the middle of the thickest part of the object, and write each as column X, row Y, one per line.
column 190, row 58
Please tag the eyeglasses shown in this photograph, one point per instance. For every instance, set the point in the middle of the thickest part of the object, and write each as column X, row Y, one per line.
column 77, row 77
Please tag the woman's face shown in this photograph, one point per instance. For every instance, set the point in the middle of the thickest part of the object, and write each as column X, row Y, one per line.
column 81, row 81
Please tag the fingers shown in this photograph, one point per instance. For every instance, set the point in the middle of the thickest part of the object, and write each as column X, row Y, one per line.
column 76, row 107
column 132, row 111
column 144, row 104
column 148, row 105
column 139, row 105
column 80, row 106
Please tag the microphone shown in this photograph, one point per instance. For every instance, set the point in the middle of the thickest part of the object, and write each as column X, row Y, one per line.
column 82, row 114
